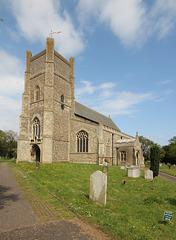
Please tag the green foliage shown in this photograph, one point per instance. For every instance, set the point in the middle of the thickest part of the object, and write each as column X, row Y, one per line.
column 133, row 210
column 170, row 151
column 8, row 144
column 171, row 171
column 155, row 160
column 146, row 145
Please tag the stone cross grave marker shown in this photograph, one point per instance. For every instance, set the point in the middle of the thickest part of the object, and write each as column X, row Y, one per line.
column 148, row 174
column 98, row 187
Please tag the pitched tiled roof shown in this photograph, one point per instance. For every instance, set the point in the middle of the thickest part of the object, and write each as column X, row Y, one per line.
column 88, row 113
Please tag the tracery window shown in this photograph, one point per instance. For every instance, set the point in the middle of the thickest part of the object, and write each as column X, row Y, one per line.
column 82, row 141
column 123, row 156
column 36, row 128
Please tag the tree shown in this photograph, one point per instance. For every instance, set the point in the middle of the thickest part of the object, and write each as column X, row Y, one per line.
column 8, row 144
column 146, row 145
column 172, row 140
column 2, row 143
column 155, row 159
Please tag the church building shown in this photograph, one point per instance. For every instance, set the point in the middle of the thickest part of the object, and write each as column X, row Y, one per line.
column 56, row 128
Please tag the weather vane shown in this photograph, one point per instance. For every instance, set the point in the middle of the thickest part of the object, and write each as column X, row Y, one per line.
column 51, row 33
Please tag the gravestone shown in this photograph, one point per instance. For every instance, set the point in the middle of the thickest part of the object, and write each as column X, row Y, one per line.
column 122, row 167
column 37, row 165
column 148, row 174
column 134, row 172
column 105, row 168
column 160, row 164
column 98, row 187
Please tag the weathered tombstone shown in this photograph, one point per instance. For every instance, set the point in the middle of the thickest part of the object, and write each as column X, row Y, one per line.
column 37, row 165
column 160, row 164
column 148, row 174
column 105, row 168
column 122, row 167
column 98, row 187
column 134, row 172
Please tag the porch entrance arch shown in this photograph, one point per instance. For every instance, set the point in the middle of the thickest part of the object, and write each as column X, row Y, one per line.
column 36, row 153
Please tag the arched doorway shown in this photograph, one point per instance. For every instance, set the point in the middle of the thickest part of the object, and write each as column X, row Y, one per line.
column 35, row 153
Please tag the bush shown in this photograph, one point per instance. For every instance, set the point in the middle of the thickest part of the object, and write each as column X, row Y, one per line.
column 155, row 160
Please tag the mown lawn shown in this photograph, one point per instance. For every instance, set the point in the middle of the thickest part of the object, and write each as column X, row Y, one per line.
column 165, row 169
column 133, row 210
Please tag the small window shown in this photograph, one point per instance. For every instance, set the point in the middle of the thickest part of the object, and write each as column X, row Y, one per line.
column 82, row 141
column 62, row 102
column 62, row 99
column 123, row 156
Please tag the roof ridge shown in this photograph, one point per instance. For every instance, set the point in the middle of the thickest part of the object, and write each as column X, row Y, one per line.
column 93, row 110
column 88, row 113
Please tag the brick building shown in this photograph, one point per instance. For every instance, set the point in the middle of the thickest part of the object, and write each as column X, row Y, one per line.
column 56, row 128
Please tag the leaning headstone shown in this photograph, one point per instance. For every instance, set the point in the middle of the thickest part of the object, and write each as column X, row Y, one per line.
column 148, row 174
column 98, row 187
column 105, row 168
column 134, row 172
column 122, row 167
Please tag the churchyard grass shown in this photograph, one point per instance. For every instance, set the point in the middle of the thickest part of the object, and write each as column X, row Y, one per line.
column 171, row 171
column 7, row 160
column 134, row 210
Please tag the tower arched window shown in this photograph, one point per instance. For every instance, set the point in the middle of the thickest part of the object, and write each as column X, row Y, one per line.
column 37, row 93
column 36, row 128
column 82, row 141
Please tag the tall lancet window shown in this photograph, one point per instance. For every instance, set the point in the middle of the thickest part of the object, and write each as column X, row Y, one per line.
column 37, row 93
column 36, row 128
column 82, row 141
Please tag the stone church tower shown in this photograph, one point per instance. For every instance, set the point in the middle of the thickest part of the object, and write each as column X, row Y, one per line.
column 47, row 105
column 56, row 128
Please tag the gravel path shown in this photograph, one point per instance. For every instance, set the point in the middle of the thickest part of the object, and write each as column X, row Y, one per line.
column 19, row 222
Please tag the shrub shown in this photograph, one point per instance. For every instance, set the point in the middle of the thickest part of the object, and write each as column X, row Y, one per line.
column 155, row 160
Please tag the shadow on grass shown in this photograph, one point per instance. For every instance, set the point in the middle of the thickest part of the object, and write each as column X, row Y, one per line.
column 163, row 222
column 87, row 196
column 172, row 201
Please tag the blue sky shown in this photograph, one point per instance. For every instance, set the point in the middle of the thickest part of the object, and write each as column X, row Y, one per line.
column 124, row 51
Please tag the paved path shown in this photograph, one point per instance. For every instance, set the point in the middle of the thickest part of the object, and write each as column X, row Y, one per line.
column 19, row 222
column 170, row 177
column 14, row 211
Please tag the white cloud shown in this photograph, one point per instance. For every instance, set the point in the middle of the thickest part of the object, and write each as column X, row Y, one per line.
column 86, row 88
column 36, row 19
column 165, row 82
column 132, row 21
column 107, row 100
column 10, row 112
column 11, row 80
column 11, row 83
column 123, row 102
